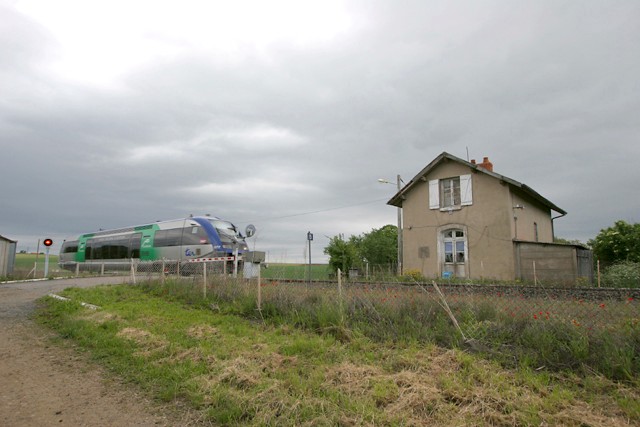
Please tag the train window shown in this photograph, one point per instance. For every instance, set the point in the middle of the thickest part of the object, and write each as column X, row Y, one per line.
column 227, row 231
column 134, row 245
column 107, row 248
column 171, row 237
column 88, row 250
column 117, row 249
column 69, row 247
column 195, row 236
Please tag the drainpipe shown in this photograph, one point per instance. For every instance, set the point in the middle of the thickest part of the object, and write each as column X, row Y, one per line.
column 553, row 232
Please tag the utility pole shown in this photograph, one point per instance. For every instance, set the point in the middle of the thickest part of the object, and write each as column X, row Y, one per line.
column 399, row 186
column 399, row 231
column 309, row 239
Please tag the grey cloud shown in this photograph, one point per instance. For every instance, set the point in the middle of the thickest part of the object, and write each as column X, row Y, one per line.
column 548, row 90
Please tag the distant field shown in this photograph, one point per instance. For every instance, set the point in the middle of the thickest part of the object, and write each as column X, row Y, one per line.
column 25, row 262
column 296, row 271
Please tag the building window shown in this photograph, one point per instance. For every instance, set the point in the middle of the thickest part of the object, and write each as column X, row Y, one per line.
column 450, row 193
column 454, row 246
column 535, row 230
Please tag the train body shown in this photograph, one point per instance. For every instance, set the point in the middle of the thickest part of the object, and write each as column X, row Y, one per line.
column 181, row 240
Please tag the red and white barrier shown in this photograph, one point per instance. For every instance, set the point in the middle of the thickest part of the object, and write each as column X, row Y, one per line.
column 222, row 258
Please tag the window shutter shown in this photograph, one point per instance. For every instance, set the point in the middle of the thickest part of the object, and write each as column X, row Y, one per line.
column 434, row 194
column 466, row 190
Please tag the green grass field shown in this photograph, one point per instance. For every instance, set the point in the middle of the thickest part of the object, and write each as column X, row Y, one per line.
column 226, row 369
column 25, row 262
column 296, row 271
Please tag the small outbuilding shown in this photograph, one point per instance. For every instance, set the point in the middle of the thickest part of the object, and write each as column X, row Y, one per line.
column 7, row 256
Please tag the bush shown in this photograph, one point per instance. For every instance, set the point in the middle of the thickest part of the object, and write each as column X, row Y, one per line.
column 413, row 275
column 625, row 274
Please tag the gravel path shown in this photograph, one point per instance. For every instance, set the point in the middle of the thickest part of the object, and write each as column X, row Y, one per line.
column 43, row 384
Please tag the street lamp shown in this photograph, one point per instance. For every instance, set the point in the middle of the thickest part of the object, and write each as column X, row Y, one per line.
column 399, row 184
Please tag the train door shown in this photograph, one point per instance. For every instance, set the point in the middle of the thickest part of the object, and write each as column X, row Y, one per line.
column 146, row 245
column 134, row 245
column 82, row 247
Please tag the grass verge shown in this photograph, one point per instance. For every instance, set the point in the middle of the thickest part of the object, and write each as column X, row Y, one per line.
column 239, row 371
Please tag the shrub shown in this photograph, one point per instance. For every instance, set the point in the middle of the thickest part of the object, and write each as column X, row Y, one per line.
column 625, row 274
column 413, row 275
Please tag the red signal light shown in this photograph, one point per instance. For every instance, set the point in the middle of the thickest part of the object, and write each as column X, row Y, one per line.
column 48, row 242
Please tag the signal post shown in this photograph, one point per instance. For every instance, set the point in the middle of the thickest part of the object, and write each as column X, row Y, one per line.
column 47, row 244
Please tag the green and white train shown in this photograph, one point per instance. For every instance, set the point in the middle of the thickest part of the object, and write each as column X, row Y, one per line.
column 179, row 241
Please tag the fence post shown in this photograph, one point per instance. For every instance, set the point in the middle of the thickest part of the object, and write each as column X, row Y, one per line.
column 133, row 273
column 162, row 271
column 77, row 269
column 340, row 296
column 204, row 280
column 235, row 262
column 102, row 269
column 535, row 278
column 259, row 291
column 598, row 263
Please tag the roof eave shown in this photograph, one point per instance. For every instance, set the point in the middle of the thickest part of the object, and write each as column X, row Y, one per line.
column 397, row 199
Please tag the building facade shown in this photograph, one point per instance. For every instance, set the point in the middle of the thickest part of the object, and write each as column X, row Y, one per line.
column 462, row 219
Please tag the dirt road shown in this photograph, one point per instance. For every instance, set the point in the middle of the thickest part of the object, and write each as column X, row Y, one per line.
column 43, row 384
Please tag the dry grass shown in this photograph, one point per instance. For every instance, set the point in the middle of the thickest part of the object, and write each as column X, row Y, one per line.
column 147, row 342
column 100, row 316
column 202, row 332
column 449, row 388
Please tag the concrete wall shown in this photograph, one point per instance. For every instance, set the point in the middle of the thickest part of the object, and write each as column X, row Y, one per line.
column 488, row 223
column 554, row 263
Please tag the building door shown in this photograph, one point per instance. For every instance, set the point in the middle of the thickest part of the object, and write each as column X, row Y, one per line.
column 454, row 254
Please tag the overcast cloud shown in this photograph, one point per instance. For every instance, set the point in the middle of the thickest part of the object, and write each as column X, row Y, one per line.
column 285, row 113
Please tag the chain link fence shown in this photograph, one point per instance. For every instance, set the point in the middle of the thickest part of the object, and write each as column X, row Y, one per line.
column 547, row 326
column 544, row 327
column 584, row 308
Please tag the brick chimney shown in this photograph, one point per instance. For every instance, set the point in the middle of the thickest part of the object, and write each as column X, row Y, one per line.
column 486, row 164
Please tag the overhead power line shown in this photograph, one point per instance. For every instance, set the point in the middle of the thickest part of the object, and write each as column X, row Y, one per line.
column 314, row 212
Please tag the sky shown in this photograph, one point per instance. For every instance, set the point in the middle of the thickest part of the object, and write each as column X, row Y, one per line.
column 284, row 114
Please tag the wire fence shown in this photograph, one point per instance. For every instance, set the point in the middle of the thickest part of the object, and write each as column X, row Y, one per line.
column 471, row 305
column 161, row 268
column 548, row 326
column 585, row 308
column 541, row 327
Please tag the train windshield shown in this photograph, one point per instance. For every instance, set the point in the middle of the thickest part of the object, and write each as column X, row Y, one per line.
column 227, row 231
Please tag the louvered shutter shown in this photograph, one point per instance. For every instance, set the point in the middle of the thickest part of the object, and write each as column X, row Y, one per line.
column 466, row 190
column 434, row 194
